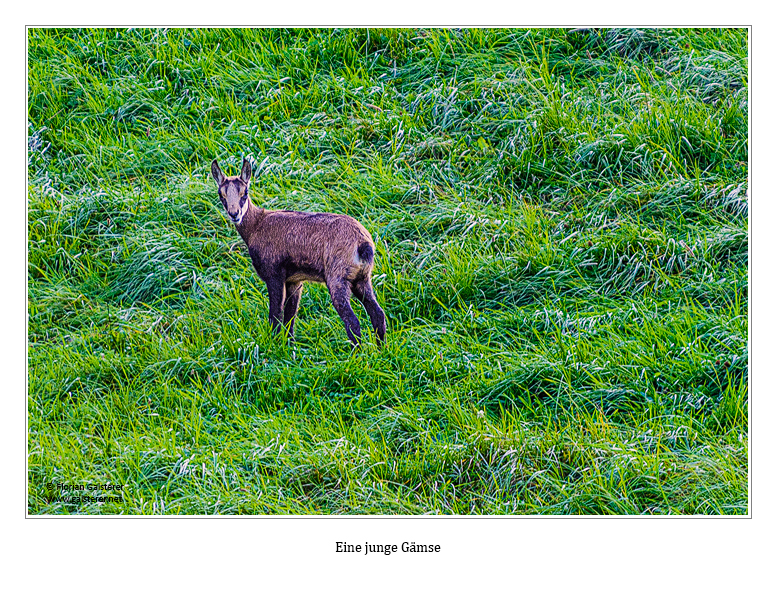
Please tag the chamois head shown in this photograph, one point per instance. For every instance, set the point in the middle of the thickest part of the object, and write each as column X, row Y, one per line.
column 233, row 191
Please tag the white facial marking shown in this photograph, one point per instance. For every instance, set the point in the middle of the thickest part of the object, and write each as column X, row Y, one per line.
column 243, row 212
column 232, row 197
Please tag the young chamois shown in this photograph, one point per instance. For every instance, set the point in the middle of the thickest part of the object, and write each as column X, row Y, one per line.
column 288, row 248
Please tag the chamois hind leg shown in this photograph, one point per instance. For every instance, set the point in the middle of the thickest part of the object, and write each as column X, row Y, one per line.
column 276, row 294
column 293, row 294
column 340, row 292
column 363, row 291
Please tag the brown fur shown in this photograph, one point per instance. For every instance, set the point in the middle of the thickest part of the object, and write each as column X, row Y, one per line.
column 288, row 248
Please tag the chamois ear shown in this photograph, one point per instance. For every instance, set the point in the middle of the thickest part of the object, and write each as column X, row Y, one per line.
column 245, row 172
column 215, row 171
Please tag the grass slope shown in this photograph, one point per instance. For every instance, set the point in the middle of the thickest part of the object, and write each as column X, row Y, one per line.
column 561, row 225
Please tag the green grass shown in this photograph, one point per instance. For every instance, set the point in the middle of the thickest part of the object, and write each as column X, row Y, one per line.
column 562, row 252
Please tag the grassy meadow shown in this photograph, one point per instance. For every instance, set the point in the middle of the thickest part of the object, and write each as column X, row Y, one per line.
column 561, row 223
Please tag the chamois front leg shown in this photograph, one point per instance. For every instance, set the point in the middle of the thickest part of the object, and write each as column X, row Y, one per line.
column 340, row 292
column 276, row 294
column 293, row 294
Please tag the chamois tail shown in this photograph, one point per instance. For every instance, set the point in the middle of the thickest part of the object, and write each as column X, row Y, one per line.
column 365, row 253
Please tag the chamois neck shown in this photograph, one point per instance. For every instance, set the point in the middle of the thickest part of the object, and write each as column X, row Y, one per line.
column 250, row 220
